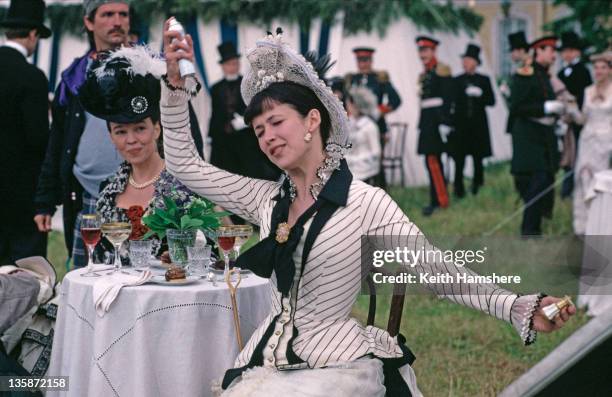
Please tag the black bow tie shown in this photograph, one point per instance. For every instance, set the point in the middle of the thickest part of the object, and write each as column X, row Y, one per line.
column 271, row 255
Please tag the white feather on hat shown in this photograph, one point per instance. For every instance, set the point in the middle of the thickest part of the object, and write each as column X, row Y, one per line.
column 143, row 60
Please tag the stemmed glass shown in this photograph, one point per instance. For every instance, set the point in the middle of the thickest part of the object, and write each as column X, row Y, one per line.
column 117, row 233
column 226, row 237
column 91, row 233
column 243, row 233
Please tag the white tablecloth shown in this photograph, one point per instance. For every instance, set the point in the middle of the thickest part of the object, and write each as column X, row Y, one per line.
column 155, row 341
column 596, row 278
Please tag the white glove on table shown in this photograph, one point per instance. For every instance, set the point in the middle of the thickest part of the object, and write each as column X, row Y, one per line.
column 554, row 107
column 473, row 91
column 238, row 122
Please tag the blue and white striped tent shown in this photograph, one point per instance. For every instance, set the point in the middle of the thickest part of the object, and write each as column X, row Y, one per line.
column 395, row 53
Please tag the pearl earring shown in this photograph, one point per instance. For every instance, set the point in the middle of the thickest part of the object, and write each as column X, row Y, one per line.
column 308, row 137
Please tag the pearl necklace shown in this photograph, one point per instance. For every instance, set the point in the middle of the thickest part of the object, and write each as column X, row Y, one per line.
column 143, row 185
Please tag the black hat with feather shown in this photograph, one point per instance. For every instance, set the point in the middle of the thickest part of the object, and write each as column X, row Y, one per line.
column 123, row 87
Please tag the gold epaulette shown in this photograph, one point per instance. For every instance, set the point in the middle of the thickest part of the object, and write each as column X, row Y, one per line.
column 383, row 76
column 443, row 70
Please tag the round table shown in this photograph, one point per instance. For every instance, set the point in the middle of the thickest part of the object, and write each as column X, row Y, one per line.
column 155, row 340
column 596, row 278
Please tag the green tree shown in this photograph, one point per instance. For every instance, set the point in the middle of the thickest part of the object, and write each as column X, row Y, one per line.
column 359, row 15
column 593, row 17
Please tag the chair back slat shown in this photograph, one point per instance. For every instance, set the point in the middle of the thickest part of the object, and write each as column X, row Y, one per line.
column 393, row 153
column 397, row 301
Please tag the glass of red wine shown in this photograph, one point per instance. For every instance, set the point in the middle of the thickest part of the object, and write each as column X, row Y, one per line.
column 91, row 233
column 226, row 237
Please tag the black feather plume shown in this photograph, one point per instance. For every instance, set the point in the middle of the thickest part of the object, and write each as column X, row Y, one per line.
column 320, row 64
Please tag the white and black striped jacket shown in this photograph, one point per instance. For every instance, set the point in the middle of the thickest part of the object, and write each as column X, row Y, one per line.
column 330, row 281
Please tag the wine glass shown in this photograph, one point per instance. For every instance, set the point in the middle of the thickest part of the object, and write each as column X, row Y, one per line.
column 243, row 233
column 226, row 236
column 117, row 233
column 91, row 233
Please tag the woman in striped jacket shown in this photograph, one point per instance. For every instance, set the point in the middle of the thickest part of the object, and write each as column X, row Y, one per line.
column 312, row 224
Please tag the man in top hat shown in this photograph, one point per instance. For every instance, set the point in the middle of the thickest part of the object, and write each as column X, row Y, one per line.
column 24, row 130
column 234, row 145
column 435, row 119
column 576, row 77
column 574, row 74
column 519, row 53
column 519, row 48
column 473, row 93
column 80, row 154
column 535, row 158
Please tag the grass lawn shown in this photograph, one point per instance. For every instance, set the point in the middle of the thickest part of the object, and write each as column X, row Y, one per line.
column 460, row 352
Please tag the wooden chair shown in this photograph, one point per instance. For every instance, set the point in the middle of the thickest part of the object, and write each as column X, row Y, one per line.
column 393, row 154
column 397, row 301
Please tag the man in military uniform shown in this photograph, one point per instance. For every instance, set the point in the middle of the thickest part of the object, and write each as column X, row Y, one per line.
column 234, row 145
column 380, row 84
column 535, row 158
column 473, row 93
column 377, row 81
column 576, row 77
column 435, row 120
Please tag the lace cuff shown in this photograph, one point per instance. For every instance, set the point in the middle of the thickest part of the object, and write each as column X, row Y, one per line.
column 521, row 316
column 172, row 96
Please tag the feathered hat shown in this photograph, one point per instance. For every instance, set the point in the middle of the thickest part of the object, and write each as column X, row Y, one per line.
column 123, row 86
column 273, row 60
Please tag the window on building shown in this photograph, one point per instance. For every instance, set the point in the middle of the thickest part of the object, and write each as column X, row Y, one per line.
column 507, row 26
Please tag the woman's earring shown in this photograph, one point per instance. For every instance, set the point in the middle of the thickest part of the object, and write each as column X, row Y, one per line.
column 308, row 137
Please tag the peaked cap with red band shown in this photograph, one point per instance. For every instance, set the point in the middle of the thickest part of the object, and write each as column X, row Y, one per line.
column 426, row 41
column 363, row 52
column 545, row 41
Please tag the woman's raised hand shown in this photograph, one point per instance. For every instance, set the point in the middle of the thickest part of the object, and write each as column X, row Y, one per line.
column 175, row 49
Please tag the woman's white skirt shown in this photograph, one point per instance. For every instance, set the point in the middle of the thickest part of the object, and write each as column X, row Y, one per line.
column 360, row 378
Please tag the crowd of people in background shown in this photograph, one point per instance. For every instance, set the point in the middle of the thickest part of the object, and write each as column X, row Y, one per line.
column 547, row 113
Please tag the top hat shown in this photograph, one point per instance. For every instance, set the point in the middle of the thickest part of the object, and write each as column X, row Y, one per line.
column 426, row 42
column 227, row 50
column 517, row 40
column 544, row 41
column 570, row 40
column 363, row 52
column 472, row 51
column 27, row 14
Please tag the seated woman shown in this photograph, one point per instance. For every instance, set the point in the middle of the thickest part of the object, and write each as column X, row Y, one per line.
column 128, row 99
column 312, row 225
column 364, row 156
